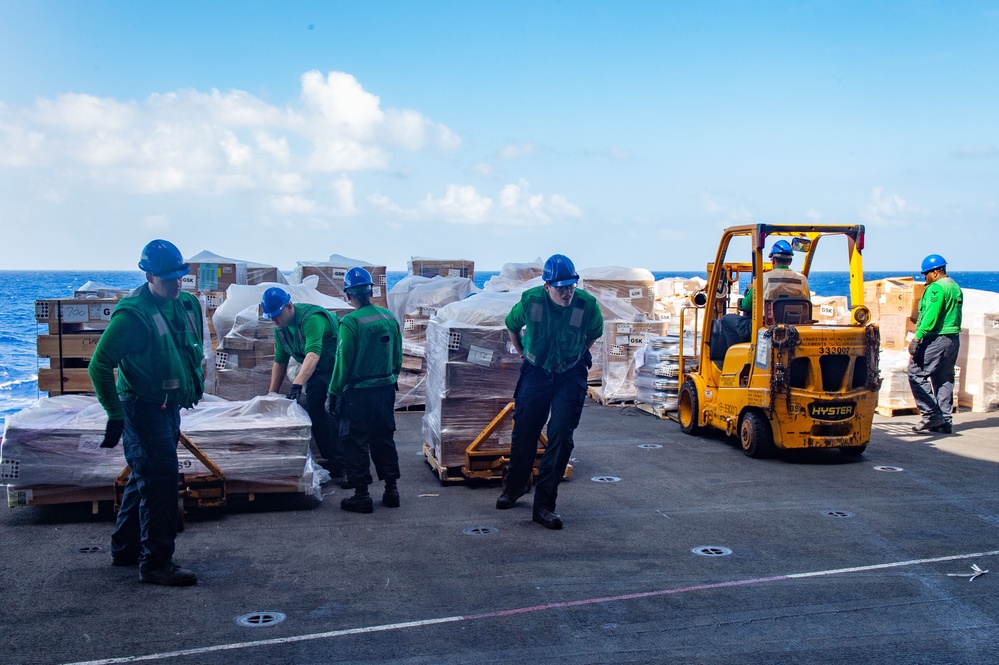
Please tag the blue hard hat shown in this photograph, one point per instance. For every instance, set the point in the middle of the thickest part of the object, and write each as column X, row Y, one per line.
column 356, row 278
column 781, row 248
column 559, row 271
column 162, row 259
column 932, row 262
column 274, row 301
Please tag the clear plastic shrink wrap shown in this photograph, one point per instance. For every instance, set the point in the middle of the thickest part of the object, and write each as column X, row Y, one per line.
column 412, row 301
column 51, row 451
column 658, row 378
column 472, row 371
column 245, row 355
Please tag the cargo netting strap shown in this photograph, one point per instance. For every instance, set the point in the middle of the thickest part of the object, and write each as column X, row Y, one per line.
column 783, row 341
column 872, row 352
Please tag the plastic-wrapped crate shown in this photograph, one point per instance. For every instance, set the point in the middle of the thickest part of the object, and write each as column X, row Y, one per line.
column 472, row 372
column 51, row 451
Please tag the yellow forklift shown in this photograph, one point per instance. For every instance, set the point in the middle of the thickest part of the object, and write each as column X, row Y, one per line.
column 782, row 381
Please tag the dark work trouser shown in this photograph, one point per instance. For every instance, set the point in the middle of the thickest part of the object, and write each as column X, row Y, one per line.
column 325, row 429
column 367, row 429
column 931, row 377
column 538, row 395
column 147, row 522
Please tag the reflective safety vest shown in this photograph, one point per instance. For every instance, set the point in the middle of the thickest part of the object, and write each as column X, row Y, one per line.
column 170, row 370
column 292, row 337
column 555, row 338
column 377, row 345
column 785, row 283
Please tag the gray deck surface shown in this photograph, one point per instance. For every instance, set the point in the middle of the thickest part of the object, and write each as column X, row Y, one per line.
column 620, row 584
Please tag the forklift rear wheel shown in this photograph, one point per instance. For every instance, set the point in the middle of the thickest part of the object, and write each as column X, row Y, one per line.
column 755, row 435
column 687, row 407
column 853, row 451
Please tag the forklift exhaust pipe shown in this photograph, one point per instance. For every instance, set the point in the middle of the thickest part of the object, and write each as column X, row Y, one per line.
column 700, row 299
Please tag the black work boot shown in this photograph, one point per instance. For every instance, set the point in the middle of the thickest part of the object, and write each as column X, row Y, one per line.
column 390, row 499
column 547, row 518
column 359, row 503
column 507, row 499
column 168, row 575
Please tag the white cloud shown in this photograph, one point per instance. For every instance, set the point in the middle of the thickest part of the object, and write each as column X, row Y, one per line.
column 460, row 204
column 813, row 215
column 518, row 150
column 484, row 169
column 292, row 205
column 889, row 210
column 517, row 205
column 213, row 142
column 343, row 190
column 729, row 214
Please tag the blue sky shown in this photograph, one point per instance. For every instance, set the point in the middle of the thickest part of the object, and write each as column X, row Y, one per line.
column 624, row 133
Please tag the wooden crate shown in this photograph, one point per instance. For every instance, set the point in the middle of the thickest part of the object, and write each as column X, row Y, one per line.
column 56, row 381
column 75, row 345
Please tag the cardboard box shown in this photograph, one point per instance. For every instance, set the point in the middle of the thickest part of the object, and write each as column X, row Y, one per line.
column 443, row 267
column 896, row 332
column 213, row 276
column 331, row 280
column 893, row 296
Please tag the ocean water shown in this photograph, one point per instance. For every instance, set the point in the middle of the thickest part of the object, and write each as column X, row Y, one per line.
column 19, row 289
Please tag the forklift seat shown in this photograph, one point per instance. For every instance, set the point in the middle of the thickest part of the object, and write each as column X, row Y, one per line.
column 791, row 311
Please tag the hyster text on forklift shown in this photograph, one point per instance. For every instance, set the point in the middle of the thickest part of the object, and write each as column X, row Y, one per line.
column 772, row 375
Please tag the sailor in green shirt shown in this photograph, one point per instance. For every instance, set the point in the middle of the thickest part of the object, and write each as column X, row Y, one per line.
column 308, row 334
column 935, row 347
column 553, row 327
column 155, row 340
column 368, row 362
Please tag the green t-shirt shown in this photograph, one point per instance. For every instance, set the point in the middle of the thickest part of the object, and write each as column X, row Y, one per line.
column 940, row 309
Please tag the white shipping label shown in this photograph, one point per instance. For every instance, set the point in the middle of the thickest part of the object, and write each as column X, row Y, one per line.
column 376, row 292
column 339, row 273
column 621, row 340
column 827, row 310
column 762, row 349
column 624, row 328
column 189, row 282
column 101, row 312
column 17, row 498
column 627, row 301
column 74, row 313
column 665, row 316
column 480, row 356
column 454, row 272
column 636, row 340
column 636, row 293
column 90, row 443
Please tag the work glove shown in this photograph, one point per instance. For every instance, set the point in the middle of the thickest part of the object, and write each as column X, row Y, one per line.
column 295, row 392
column 112, row 433
column 332, row 405
column 913, row 347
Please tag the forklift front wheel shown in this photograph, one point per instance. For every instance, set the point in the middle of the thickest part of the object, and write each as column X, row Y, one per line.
column 755, row 435
column 687, row 407
column 853, row 451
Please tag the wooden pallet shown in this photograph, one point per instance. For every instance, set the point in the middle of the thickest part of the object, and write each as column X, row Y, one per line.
column 892, row 411
column 657, row 411
column 596, row 393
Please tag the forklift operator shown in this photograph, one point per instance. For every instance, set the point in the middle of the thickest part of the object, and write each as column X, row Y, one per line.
column 782, row 281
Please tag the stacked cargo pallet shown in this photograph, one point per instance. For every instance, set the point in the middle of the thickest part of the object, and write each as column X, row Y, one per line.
column 73, row 328
column 413, row 301
column 331, row 273
column 894, row 306
column 658, row 377
column 472, row 371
